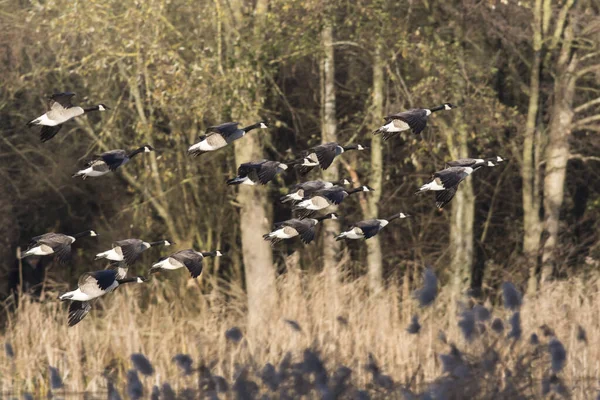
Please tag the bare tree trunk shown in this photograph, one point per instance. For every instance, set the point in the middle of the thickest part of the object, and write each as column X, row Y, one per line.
column 374, row 256
column 258, row 258
column 331, row 248
column 463, row 215
column 255, row 207
column 557, row 152
column 532, row 225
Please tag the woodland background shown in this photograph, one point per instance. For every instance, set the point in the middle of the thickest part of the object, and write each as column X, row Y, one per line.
column 525, row 77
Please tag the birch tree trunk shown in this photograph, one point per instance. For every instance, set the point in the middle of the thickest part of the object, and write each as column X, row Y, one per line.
column 374, row 256
column 331, row 247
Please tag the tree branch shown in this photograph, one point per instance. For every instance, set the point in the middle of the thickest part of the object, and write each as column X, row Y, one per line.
column 587, row 105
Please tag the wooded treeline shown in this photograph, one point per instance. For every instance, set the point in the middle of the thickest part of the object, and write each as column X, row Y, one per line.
column 525, row 77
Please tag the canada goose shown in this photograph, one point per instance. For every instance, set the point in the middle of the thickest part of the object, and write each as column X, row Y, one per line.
column 129, row 250
column 368, row 228
column 92, row 285
column 414, row 119
column 220, row 136
column 305, row 189
column 60, row 110
column 109, row 161
column 191, row 259
column 469, row 162
column 305, row 228
column 324, row 198
column 445, row 182
column 322, row 155
column 54, row 243
column 254, row 172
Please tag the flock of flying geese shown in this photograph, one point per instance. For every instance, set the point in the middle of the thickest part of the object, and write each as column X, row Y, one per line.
column 307, row 198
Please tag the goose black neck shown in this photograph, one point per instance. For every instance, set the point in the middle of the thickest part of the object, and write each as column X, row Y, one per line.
column 393, row 217
column 324, row 217
column 81, row 234
column 157, row 243
column 209, row 254
column 135, row 152
column 438, row 108
column 127, row 280
column 355, row 190
column 350, row 147
column 251, row 127
column 90, row 109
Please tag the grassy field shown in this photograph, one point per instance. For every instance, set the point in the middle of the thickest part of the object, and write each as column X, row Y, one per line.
column 341, row 323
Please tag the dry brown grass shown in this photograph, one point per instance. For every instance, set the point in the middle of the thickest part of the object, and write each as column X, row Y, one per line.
column 166, row 317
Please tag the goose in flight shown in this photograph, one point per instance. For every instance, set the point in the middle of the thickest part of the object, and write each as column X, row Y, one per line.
column 257, row 172
column 190, row 259
column 305, row 228
column 60, row 110
column 129, row 250
column 305, row 189
column 109, row 161
column 324, row 198
column 90, row 286
column 58, row 244
column 219, row 136
column 368, row 228
column 322, row 155
column 445, row 182
column 414, row 119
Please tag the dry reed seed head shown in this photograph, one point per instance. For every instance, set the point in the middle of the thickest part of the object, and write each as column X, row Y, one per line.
column 558, row 355
column 113, row 393
column 547, row 331
column 220, row 384
column 467, row 324
column 294, row 325
column 142, row 364
column 515, row 326
column 482, row 314
column 512, row 297
column 244, row 388
column 442, row 337
column 427, row 294
column 184, row 362
column 56, row 381
column 135, row 390
column 155, row 394
column 269, row 377
column 554, row 384
column 234, row 334
column 312, row 364
column 497, row 325
column 342, row 320
column 167, row 392
column 8, row 350
column 490, row 361
column 534, row 340
column 581, row 335
column 414, row 326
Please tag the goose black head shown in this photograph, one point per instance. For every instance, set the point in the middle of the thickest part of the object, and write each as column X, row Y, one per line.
column 448, row 106
column 148, row 148
column 367, row 188
column 344, row 181
column 141, row 279
column 103, row 107
column 263, row 125
column 332, row 216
